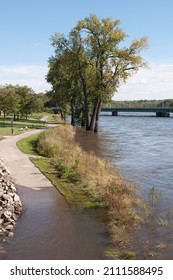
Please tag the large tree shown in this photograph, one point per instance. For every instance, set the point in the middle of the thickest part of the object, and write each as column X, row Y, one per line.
column 66, row 86
column 93, row 57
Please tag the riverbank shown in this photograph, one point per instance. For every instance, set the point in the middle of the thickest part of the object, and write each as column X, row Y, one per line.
column 89, row 181
column 54, row 230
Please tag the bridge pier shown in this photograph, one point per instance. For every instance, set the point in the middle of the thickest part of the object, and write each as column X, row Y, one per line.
column 162, row 114
column 114, row 113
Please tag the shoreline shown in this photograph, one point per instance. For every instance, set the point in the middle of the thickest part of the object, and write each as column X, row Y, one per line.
column 109, row 191
column 50, row 238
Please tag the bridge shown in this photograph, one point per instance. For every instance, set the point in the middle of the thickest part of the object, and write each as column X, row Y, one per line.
column 160, row 112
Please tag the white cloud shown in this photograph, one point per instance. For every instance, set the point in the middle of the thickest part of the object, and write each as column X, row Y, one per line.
column 30, row 75
column 153, row 83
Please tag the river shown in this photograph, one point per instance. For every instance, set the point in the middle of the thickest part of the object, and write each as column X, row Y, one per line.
column 141, row 147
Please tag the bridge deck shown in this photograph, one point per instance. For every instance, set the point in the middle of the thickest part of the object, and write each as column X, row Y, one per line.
column 150, row 110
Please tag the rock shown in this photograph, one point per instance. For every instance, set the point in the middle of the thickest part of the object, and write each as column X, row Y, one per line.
column 16, row 198
column 7, row 214
column 9, row 227
column 13, row 188
column 14, row 217
column 10, row 203
column 4, row 240
column 10, row 234
column 6, row 197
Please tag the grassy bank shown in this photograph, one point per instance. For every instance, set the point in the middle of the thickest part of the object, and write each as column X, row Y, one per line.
column 29, row 145
column 87, row 181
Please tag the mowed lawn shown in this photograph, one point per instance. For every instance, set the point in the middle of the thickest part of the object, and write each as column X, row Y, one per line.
column 10, row 127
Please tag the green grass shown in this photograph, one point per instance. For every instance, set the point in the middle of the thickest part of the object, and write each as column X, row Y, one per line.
column 56, row 118
column 72, row 192
column 18, row 126
column 28, row 145
column 71, row 189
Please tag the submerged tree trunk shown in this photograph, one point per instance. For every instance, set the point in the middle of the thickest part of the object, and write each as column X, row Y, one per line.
column 94, row 113
column 86, row 110
column 97, row 116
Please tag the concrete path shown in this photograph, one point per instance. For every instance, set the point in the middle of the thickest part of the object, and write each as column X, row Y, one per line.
column 21, row 168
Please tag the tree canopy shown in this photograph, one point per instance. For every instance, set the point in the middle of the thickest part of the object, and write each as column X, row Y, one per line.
column 89, row 65
column 19, row 100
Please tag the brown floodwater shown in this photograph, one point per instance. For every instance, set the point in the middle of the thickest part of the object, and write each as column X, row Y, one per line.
column 50, row 228
column 141, row 148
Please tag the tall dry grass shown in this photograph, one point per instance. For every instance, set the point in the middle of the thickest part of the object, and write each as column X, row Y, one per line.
column 98, row 179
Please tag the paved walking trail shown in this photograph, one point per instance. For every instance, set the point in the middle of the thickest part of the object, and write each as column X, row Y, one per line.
column 21, row 168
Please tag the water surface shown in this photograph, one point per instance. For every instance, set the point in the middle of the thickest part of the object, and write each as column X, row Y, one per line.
column 141, row 147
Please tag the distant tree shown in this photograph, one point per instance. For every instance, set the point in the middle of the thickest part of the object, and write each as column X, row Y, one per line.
column 9, row 101
column 20, row 100
column 166, row 103
column 27, row 98
column 43, row 99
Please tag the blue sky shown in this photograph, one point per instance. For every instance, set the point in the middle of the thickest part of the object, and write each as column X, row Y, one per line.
column 26, row 27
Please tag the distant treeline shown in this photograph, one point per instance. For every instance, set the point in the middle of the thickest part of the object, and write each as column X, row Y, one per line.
column 166, row 103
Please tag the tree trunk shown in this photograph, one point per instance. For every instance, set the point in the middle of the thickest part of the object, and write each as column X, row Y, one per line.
column 86, row 112
column 94, row 113
column 97, row 116
column 72, row 112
